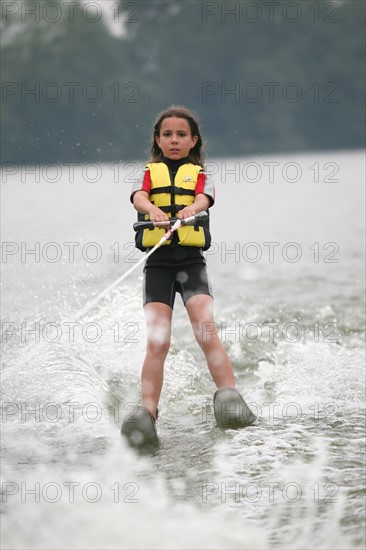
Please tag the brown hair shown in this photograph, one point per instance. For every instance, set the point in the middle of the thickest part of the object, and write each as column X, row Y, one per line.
column 196, row 155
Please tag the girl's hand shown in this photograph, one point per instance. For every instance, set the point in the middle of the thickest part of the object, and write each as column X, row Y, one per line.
column 157, row 215
column 186, row 212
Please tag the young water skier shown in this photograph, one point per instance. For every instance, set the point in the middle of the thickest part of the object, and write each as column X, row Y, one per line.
column 174, row 185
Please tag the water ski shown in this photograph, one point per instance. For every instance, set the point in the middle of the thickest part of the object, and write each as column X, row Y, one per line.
column 230, row 409
column 139, row 429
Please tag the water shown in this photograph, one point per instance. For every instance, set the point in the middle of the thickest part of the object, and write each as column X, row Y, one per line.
column 287, row 272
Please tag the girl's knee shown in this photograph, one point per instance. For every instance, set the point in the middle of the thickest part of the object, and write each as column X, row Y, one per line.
column 158, row 348
column 208, row 341
column 204, row 334
column 158, row 340
column 204, row 342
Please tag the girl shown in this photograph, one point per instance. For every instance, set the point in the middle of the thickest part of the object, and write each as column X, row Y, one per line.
column 175, row 185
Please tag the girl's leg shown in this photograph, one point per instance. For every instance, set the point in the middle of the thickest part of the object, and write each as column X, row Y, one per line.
column 200, row 311
column 158, row 321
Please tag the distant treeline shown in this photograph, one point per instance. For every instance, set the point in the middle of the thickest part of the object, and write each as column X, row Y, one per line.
column 262, row 76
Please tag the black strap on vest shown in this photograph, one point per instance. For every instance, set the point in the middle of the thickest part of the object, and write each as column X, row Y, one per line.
column 172, row 189
column 172, row 208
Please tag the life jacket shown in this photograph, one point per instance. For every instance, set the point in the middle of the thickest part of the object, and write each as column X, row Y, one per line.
column 171, row 197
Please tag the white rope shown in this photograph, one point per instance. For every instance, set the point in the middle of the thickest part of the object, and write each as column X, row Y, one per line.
column 83, row 311
column 98, row 298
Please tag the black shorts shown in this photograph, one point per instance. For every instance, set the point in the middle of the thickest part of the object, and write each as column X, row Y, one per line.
column 161, row 283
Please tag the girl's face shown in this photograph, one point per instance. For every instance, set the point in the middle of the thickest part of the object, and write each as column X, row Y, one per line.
column 175, row 139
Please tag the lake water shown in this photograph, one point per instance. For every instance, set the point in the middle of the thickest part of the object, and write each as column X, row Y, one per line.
column 287, row 270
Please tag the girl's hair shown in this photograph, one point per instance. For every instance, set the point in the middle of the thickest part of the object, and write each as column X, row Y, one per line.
column 196, row 155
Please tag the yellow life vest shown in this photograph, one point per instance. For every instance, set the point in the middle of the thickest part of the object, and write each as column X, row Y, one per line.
column 171, row 197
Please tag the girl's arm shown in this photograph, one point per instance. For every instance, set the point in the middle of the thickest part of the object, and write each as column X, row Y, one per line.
column 201, row 203
column 142, row 204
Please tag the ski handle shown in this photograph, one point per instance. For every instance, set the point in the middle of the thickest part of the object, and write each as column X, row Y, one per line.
column 200, row 217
